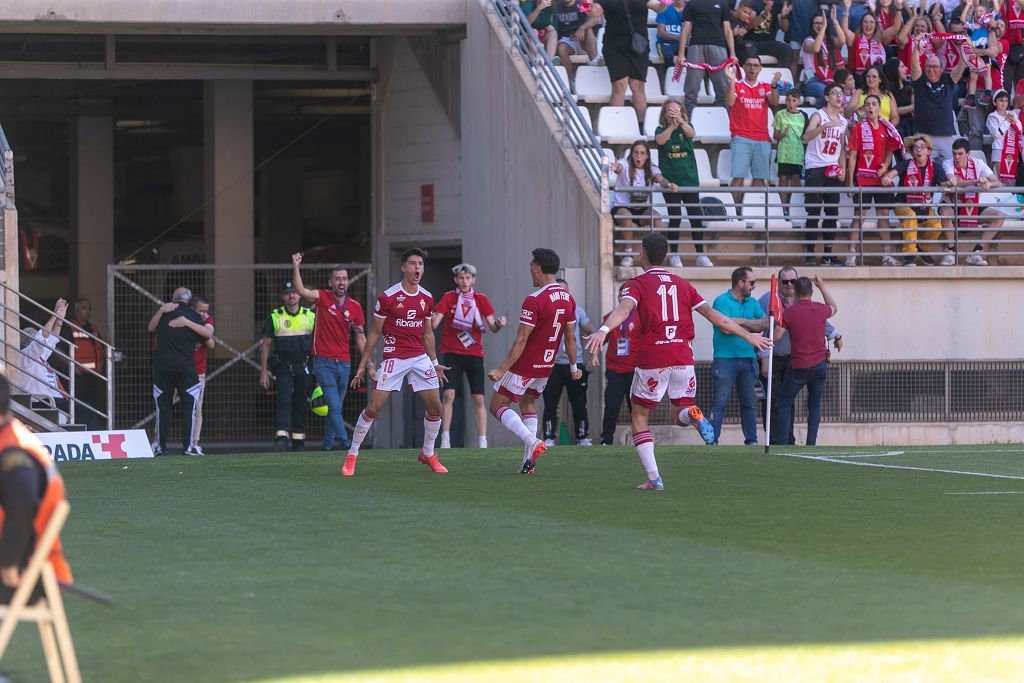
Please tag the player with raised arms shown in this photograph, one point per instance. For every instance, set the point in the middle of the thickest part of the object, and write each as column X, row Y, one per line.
column 402, row 317
column 548, row 315
column 664, row 303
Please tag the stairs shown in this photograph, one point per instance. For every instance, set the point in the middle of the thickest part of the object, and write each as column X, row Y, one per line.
column 40, row 419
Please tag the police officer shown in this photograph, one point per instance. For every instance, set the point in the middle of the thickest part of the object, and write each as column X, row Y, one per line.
column 290, row 328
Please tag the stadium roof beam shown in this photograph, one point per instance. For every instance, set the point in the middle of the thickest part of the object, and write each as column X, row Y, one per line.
column 180, row 72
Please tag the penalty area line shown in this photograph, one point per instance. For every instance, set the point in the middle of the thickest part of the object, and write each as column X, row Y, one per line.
column 858, row 463
column 982, row 493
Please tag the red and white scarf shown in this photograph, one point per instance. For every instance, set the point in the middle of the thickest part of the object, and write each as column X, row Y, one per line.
column 867, row 52
column 466, row 315
column 915, row 178
column 867, row 144
column 677, row 73
column 969, row 213
column 1011, row 153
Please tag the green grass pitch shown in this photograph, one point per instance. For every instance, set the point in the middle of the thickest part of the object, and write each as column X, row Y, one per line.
column 272, row 567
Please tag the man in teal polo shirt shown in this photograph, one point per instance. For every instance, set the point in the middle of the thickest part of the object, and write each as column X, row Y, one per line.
column 735, row 361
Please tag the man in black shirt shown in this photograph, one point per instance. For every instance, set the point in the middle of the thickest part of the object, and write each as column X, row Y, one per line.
column 935, row 96
column 706, row 38
column 178, row 330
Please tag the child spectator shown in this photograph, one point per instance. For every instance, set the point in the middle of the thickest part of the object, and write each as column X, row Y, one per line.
column 670, row 24
column 978, row 26
column 789, row 127
column 998, row 123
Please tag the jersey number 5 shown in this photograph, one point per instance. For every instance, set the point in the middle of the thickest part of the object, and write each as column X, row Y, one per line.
column 556, row 325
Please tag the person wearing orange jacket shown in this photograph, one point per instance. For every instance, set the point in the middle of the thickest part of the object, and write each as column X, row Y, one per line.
column 30, row 490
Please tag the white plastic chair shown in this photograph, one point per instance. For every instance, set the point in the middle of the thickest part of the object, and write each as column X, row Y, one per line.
column 674, row 88
column 651, row 117
column 755, row 213
column 711, row 125
column 707, row 178
column 593, row 84
column 617, row 125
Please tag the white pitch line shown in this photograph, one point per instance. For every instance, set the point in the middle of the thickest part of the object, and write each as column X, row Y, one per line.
column 844, row 455
column 901, row 467
column 983, row 493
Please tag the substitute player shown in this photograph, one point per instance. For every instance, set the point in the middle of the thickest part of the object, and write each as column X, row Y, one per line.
column 402, row 316
column 664, row 303
column 548, row 315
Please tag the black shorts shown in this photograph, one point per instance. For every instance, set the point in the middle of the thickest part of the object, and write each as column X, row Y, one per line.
column 883, row 200
column 460, row 363
column 641, row 212
column 622, row 62
column 790, row 169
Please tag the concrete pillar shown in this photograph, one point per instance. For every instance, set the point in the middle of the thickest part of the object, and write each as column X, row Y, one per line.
column 92, row 210
column 229, row 216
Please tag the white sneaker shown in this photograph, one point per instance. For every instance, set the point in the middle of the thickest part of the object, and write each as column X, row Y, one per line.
column 481, row 442
column 584, row 442
column 549, row 443
column 704, row 262
column 889, row 260
column 674, row 261
column 976, row 258
column 851, row 260
column 627, row 261
column 446, row 440
column 949, row 259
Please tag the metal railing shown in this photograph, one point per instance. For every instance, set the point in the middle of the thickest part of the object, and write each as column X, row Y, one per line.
column 6, row 173
column 769, row 225
column 579, row 135
column 70, row 372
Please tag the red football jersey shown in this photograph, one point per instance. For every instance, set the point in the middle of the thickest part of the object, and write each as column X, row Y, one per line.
column 199, row 355
column 451, row 336
column 547, row 311
column 620, row 356
column 871, row 145
column 664, row 304
column 748, row 118
column 404, row 316
column 334, row 321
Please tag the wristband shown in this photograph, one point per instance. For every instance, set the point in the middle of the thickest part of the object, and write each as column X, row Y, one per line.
column 573, row 368
column 436, row 362
column 604, row 328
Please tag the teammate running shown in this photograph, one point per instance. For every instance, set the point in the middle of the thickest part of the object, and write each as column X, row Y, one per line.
column 402, row 316
column 664, row 303
column 548, row 315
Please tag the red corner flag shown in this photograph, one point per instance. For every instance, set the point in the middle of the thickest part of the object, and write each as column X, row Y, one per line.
column 774, row 302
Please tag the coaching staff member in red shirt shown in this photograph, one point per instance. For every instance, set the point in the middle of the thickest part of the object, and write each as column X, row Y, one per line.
column 805, row 321
column 338, row 317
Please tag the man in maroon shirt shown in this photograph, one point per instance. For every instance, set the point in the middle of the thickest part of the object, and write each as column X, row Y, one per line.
column 338, row 317
column 466, row 313
column 805, row 322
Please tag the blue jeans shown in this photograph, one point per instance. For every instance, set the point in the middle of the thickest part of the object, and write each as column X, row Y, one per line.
column 814, row 378
column 741, row 372
column 333, row 378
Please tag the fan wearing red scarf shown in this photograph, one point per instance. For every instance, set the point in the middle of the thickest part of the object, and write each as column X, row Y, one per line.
column 871, row 146
column 965, row 171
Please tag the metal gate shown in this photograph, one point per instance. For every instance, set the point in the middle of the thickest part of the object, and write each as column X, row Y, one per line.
column 236, row 410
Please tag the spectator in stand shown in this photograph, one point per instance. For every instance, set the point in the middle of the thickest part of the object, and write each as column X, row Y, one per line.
column 289, row 330
column 890, row 15
column 808, row 365
column 625, row 29
column 977, row 52
column 875, row 84
column 202, row 307
column 781, row 351
column 935, row 97
column 916, row 210
column 853, row 13
column 634, row 208
column 90, row 390
column 999, row 60
column 706, row 38
column 897, row 74
column 825, row 164
column 864, row 45
column 561, row 378
column 937, row 16
column 917, row 29
column 748, row 101
column 848, row 85
column 735, row 359
column 788, row 130
column 538, row 13
column 573, row 39
column 178, row 329
column 619, row 365
column 38, row 378
column 1013, row 16
column 964, row 171
column 338, row 319
column 871, row 146
column 469, row 314
column 742, row 17
column 674, row 137
column 761, row 33
column 670, row 25
column 998, row 125
column 801, row 20
column 816, row 51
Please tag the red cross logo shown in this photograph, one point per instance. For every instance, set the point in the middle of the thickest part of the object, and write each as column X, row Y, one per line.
column 114, row 446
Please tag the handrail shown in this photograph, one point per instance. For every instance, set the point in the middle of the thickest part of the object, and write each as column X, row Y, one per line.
column 50, row 311
column 578, row 133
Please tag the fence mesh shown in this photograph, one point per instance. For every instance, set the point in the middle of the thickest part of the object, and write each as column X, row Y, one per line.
column 235, row 408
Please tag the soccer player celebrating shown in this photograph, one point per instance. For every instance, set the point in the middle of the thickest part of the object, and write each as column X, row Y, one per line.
column 402, row 316
column 664, row 353
column 548, row 315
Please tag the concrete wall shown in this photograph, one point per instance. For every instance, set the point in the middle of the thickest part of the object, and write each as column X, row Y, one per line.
column 320, row 15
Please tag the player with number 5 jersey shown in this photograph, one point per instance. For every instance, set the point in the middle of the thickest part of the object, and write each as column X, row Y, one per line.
column 664, row 304
column 548, row 315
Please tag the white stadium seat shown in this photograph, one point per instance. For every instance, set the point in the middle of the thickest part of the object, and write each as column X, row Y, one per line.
column 711, row 125
column 563, row 74
column 706, row 92
column 768, row 60
column 586, row 117
column 618, row 125
column 724, row 165
column 707, row 178
column 593, row 84
column 768, row 73
column 652, row 43
column 655, row 155
column 673, row 88
column 755, row 213
column 652, row 87
column 651, row 117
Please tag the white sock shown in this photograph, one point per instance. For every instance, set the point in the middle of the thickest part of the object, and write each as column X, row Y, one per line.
column 683, row 419
column 431, row 426
column 530, row 420
column 482, row 441
column 644, row 443
column 363, row 425
column 513, row 423
column 446, row 441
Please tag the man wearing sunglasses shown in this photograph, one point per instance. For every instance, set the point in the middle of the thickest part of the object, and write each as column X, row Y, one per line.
column 787, row 294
